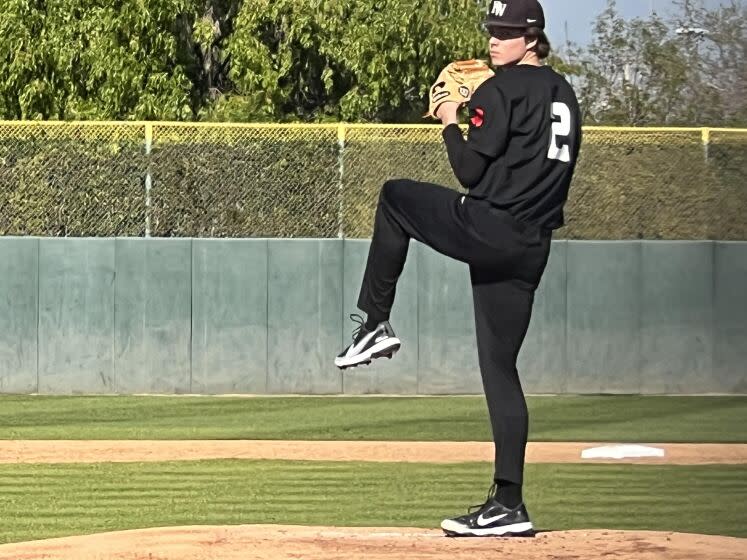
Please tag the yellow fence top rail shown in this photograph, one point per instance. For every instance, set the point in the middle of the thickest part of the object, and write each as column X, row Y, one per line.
column 373, row 126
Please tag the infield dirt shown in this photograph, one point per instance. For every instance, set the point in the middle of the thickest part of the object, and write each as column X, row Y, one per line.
column 278, row 542
column 80, row 451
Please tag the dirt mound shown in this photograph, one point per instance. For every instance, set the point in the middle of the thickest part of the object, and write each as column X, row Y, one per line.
column 279, row 542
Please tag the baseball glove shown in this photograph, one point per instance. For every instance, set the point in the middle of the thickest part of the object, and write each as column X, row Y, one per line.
column 457, row 82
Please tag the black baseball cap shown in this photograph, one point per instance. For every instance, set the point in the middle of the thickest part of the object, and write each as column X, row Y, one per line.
column 515, row 14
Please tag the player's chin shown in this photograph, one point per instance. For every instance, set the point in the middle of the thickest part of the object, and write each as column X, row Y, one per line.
column 500, row 60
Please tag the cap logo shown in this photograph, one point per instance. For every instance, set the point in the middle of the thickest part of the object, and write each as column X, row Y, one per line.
column 530, row 20
column 498, row 8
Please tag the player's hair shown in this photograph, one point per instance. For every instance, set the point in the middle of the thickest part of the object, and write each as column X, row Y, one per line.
column 542, row 48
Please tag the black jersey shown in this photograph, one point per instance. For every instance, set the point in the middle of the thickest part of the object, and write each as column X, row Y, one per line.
column 526, row 120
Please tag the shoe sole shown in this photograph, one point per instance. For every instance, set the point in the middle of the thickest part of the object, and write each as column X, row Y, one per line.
column 384, row 349
column 454, row 529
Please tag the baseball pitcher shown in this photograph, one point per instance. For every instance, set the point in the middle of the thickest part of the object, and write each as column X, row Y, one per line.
column 517, row 162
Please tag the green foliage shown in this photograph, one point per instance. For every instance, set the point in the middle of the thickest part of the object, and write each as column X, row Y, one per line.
column 727, row 153
column 640, row 185
column 239, row 182
column 91, row 60
column 350, row 60
column 219, row 59
column 374, row 156
column 327, row 60
column 354, row 60
column 72, row 181
column 253, row 181
column 656, row 186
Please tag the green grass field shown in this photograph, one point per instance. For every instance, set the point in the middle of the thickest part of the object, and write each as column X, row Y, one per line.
column 53, row 500
column 41, row 501
column 566, row 418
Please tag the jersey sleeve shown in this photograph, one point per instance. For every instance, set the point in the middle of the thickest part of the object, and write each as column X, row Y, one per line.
column 468, row 165
column 489, row 116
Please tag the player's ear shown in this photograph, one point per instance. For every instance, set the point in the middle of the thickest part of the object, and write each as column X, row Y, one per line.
column 530, row 46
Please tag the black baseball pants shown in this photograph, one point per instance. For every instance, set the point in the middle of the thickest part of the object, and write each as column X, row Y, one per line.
column 506, row 259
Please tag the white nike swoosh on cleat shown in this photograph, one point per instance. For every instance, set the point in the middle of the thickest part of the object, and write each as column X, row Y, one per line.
column 482, row 521
column 350, row 360
column 355, row 348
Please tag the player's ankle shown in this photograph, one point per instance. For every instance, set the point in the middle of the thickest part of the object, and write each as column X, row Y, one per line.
column 508, row 493
column 372, row 322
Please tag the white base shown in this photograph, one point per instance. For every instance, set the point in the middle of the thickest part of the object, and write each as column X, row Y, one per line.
column 621, row 452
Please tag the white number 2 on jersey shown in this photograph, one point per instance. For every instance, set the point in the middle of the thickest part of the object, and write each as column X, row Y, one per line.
column 558, row 149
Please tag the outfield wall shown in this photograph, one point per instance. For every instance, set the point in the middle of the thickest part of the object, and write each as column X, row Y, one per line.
column 129, row 315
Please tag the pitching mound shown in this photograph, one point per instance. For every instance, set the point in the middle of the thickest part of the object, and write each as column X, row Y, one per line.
column 279, row 542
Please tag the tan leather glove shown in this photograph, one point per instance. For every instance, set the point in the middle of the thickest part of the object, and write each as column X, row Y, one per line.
column 457, row 82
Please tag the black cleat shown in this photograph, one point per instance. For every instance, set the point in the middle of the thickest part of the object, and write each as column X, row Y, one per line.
column 368, row 345
column 492, row 519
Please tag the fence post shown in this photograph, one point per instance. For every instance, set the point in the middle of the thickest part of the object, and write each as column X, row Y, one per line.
column 148, row 142
column 705, row 136
column 341, row 167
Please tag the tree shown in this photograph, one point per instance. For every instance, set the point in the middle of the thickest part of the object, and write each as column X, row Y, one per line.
column 224, row 59
column 202, row 34
column 716, row 47
column 329, row 60
column 99, row 59
column 632, row 71
column 685, row 70
column 354, row 60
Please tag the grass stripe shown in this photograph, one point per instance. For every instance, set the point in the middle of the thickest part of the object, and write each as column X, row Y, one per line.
column 70, row 499
column 562, row 418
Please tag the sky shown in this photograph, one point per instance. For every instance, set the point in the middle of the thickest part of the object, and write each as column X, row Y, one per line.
column 580, row 15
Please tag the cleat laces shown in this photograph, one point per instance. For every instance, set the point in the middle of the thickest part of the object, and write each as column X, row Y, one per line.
column 491, row 494
column 361, row 325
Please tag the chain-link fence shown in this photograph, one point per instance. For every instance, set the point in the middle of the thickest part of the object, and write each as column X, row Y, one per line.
column 72, row 179
column 239, row 181
column 247, row 180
